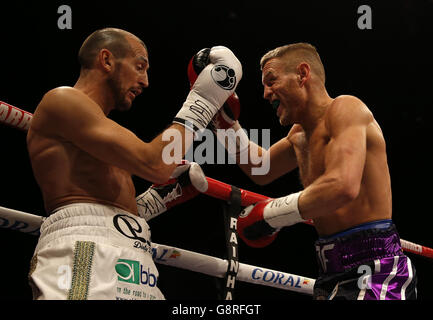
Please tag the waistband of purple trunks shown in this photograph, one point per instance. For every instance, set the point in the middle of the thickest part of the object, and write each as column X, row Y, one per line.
column 359, row 245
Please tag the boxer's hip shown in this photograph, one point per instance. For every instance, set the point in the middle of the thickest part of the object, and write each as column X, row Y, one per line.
column 93, row 251
column 365, row 263
column 353, row 247
column 106, row 224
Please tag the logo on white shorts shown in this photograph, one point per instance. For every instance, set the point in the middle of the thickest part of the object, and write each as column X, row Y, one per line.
column 131, row 271
column 128, row 226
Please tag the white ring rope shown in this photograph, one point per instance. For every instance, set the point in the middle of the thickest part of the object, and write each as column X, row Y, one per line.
column 217, row 267
column 20, row 119
column 29, row 223
column 181, row 258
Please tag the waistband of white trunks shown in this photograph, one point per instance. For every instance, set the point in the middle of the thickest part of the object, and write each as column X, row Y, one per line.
column 96, row 221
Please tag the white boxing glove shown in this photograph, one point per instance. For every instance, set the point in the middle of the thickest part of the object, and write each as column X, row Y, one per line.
column 186, row 182
column 213, row 86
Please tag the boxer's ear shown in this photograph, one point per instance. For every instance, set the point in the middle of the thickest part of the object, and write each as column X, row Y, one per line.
column 303, row 73
column 106, row 60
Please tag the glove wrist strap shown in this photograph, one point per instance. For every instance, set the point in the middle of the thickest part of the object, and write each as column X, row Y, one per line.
column 283, row 212
column 196, row 112
column 150, row 204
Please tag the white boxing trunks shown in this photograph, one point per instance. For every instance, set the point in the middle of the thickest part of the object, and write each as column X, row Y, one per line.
column 94, row 251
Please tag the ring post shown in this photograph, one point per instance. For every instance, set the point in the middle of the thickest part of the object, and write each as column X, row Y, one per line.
column 231, row 210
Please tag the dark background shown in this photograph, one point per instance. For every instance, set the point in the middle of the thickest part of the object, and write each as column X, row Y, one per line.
column 388, row 67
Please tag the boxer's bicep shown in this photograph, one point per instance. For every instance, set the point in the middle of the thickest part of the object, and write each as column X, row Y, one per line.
column 346, row 151
column 278, row 160
column 345, row 158
column 282, row 157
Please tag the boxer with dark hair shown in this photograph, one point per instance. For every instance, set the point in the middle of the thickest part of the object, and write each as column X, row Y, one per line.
column 84, row 162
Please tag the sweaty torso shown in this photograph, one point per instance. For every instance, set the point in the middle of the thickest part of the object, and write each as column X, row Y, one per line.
column 67, row 174
column 374, row 199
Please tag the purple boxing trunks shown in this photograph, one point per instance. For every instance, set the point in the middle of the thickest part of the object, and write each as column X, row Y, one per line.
column 365, row 262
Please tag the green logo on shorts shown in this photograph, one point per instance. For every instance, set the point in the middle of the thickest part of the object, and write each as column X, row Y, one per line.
column 128, row 271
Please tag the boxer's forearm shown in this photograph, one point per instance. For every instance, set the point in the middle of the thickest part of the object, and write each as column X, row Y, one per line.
column 266, row 165
column 324, row 196
column 168, row 150
column 253, row 160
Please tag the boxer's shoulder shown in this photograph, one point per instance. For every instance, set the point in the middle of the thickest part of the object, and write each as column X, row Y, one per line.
column 346, row 110
column 63, row 96
column 65, row 102
column 346, row 104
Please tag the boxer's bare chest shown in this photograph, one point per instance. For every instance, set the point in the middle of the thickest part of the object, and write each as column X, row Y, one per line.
column 310, row 152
